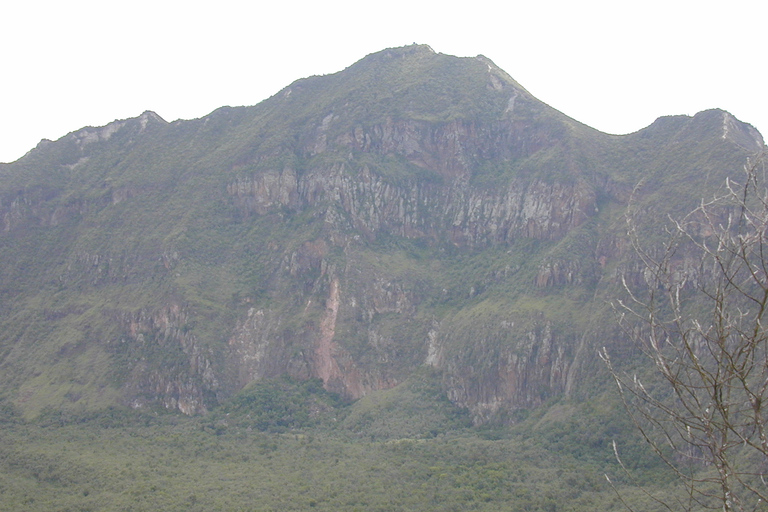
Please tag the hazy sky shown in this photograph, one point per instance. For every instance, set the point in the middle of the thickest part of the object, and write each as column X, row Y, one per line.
column 613, row 65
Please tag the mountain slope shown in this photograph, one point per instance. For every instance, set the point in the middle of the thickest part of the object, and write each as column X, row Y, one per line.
column 414, row 209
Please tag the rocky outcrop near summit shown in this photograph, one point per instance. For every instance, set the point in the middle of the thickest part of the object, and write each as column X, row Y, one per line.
column 463, row 214
column 446, row 206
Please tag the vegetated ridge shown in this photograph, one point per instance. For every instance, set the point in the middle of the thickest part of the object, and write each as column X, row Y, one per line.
column 413, row 210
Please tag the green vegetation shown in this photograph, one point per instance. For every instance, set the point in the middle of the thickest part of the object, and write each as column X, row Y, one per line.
column 289, row 445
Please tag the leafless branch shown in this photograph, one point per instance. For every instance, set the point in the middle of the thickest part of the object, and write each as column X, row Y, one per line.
column 700, row 320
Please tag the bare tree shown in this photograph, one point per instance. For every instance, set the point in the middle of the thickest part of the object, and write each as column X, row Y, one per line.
column 699, row 314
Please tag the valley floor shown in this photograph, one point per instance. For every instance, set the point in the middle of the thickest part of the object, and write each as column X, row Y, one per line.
column 120, row 461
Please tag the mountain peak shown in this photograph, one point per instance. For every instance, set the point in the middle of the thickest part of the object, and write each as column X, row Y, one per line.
column 410, row 50
column 150, row 116
column 409, row 82
column 409, row 209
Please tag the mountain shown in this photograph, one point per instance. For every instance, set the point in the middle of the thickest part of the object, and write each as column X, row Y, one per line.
column 413, row 210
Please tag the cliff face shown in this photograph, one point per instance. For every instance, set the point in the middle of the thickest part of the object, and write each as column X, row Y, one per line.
column 413, row 210
column 465, row 215
column 446, row 209
column 175, row 386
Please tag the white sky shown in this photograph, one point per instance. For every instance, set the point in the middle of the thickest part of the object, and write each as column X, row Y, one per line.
column 613, row 65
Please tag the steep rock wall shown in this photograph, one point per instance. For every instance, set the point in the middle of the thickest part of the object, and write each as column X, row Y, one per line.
column 486, row 370
column 463, row 214
column 439, row 200
column 507, row 367
column 167, row 364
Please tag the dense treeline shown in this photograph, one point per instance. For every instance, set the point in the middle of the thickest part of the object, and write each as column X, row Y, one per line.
column 292, row 446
